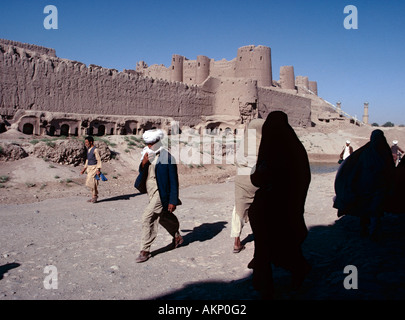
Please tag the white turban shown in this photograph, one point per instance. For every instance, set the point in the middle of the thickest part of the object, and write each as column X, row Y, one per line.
column 348, row 141
column 395, row 142
column 152, row 136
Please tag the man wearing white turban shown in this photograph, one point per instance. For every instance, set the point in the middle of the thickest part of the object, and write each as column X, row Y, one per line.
column 159, row 179
column 347, row 151
column 396, row 152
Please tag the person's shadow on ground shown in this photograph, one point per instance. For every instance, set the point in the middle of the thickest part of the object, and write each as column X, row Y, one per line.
column 376, row 269
column 5, row 268
column 121, row 197
column 202, row 233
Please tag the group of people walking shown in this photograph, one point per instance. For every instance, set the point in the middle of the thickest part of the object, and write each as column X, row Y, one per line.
column 369, row 183
column 272, row 198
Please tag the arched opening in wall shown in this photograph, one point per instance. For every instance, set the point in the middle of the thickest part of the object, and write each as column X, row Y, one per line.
column 28, row 128
column 2, row 128
column 112, row 131
column 52, row 131
column 64, row 130
column 149, row 126
column 76, row 131
column 123, row 132
column 101, row 130
column 134, row 131
column 90, row 131
column 212, row 128
column 227, row 131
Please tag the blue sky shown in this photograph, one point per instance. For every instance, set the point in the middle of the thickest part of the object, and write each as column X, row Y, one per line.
column 350, row 66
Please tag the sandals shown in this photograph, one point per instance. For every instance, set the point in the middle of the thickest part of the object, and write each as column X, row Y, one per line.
column 237, row 250
column 177, row 240
column 143, row 256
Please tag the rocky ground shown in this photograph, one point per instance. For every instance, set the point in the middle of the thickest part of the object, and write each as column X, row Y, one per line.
column 91, row 248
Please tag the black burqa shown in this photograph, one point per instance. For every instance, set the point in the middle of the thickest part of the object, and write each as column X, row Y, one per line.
column 364, row 180
column 276, row 215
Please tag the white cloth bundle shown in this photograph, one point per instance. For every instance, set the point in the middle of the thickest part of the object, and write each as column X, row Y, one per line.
column 152, row 136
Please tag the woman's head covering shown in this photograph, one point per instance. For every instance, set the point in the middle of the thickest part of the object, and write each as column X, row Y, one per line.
column 279, row 138
column 153, row 136
column 283, row 154
column 395, row 142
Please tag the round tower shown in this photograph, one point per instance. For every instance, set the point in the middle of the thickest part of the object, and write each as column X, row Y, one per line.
column 255, row 63
column 203, row 69
column 287, row 78
column 302, row 84
column 177, row 68
column 313, row 86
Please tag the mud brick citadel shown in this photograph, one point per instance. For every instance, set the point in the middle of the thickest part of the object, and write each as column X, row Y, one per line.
column 43, row 94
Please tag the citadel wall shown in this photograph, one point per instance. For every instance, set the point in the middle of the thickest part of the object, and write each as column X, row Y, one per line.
column 272, row 100
column 50, row 84
column 43, row 94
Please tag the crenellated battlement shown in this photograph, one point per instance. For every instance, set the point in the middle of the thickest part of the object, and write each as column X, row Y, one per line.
column 30, row 47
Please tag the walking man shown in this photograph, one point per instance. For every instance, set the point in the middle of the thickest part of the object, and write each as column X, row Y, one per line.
column 159, row 179
column 396, row 152
column 347, row 150
column 93, row 167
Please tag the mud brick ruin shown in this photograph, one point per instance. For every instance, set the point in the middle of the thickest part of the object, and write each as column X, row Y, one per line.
column 43, row 94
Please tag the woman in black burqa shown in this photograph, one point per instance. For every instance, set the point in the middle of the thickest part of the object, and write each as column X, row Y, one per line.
column 282, row 175
column 364, row 182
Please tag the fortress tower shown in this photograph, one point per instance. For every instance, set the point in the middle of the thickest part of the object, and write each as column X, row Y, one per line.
column 203, row 69
column 313, row 86
column 255, row 63
column 287, row 78
column 177, row 68
column 302, row 83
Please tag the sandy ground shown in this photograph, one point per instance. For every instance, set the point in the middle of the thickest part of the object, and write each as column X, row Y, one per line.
column 91, row 248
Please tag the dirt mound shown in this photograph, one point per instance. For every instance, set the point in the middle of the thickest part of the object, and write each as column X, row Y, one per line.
column 70, row 151
column 11, row 152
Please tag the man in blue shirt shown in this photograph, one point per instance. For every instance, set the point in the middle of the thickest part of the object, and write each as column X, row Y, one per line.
column 93, row 167
column 159, row 179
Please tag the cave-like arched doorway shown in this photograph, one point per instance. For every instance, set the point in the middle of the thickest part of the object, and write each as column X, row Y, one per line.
column 28, row 128
column 64, row 130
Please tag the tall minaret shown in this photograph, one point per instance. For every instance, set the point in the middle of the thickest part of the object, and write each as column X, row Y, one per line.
column 365, row 115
